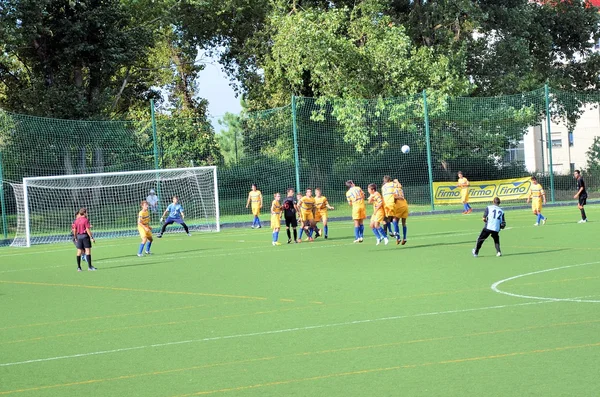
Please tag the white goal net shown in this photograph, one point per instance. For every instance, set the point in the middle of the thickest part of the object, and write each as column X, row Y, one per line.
column 46, row 206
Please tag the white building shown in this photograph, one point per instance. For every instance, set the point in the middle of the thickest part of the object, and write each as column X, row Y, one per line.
column 568, row 147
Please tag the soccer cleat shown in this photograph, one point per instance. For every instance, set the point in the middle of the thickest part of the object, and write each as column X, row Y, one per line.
column 464, row 212
column 583, row 221
column 311, row 239
column 544, row 221
column 276, row 243
column 469, row 211
column 92, row 269
column 159, row 235
column 289, row 240
column 357, row 240
column 403, row 241
column 140, row 255
column 474, row 253
column 378, row 241
column 397, row 241
column 252, row 227
column 259, row 226
column 325, row 237
column 148, row 253
column 386, row 240
column 360, row 240
column 499, row 254
column 299, row 240
column 78, row 269
column 189, row 234
column 536, row 224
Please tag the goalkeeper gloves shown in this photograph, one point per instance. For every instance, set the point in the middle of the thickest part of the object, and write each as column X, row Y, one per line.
column 502, row 225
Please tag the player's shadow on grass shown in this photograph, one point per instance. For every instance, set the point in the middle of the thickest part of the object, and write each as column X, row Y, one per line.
column 535, row 252
column 109, row 258
column 434, row 245
column 103, row 268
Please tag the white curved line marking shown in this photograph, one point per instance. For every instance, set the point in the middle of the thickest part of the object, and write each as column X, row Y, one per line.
column 497, row 283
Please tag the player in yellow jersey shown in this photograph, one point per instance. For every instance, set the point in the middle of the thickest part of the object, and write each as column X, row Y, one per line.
column 300, row 219
column 255, row 197
column 537, row 195
column 276, row 217
column 390, row 195
column 307, row 211
column 356, row 199
column 378, row 216
column 144, row 228
column 321, row 207
column 401, row 212
column 463, row 184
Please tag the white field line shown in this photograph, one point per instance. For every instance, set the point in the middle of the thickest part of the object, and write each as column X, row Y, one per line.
column 263, row 333
column 540, row 298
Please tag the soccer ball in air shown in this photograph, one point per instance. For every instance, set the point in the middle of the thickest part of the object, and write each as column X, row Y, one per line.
column 405, row 149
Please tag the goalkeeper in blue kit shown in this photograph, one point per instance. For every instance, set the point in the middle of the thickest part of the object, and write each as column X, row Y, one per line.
column 494, row 222
column 176, row 215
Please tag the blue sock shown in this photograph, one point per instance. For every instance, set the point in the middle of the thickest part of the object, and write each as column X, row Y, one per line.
column 465, row 206
column 356, row 232
column 376, row 233
column 361, row 231
column 254, row 222
column 258, row 222
column 539, row 218
column 277, row 235
column 397, row 229
column 404, row 233
column 310, row 232
column 543, row 217
column 326, row 228
column 468, row 206
column 274, row 236
column 148, row 245
column 382, row 232
column 301, row 232
column 141, row 249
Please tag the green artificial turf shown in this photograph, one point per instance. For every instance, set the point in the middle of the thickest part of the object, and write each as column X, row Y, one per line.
column 229, row 314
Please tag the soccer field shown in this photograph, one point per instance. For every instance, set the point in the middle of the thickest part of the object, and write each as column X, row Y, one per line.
column 229, row 314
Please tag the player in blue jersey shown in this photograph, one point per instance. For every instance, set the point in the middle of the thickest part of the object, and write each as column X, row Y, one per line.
column 176, row 215
column 494, row 222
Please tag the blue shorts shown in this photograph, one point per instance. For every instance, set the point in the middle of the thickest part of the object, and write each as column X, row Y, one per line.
column 173, row 220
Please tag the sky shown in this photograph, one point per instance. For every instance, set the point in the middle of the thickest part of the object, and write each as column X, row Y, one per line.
column 214, row 86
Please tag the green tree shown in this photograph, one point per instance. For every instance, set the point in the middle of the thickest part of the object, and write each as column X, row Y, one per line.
column 593, row 157
column 230, row 138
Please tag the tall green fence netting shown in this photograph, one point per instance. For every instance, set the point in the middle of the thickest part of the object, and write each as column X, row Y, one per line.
column 324, row 142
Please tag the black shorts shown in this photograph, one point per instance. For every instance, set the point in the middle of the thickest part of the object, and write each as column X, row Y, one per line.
column 83, row 241
column 291, row 221
column 582, row 200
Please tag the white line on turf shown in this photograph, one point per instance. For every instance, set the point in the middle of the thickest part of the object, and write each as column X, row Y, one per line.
column 540, row 298
column 263, row 333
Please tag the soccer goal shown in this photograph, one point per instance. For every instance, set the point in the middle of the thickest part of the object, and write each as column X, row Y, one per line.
column 46, row 206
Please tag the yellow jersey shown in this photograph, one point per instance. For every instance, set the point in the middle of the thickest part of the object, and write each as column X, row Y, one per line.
column 463, row 183
column 536, row 192
column 389, row 192
column 355, row 195
column 276, row 207
column 377, row 201
column 307, row 204
column 321, row 203
column 255, row 198
column 144, row 218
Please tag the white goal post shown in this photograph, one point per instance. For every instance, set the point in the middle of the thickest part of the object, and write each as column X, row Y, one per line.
column 46, row 206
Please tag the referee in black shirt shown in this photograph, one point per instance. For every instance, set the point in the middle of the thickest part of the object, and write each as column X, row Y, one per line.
column 581, row 195
column 290, row 206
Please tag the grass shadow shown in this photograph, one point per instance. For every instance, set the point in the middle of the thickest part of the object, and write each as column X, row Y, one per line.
column 129, row 265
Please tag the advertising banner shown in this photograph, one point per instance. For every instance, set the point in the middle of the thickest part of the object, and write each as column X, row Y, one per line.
column 482, row 191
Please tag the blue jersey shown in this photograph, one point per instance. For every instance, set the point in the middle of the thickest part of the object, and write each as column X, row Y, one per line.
column 494, row 216
column 175, row 210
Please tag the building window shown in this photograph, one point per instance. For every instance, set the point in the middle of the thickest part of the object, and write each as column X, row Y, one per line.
column 572, row 168
column 570, row 138
column 557, row 143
